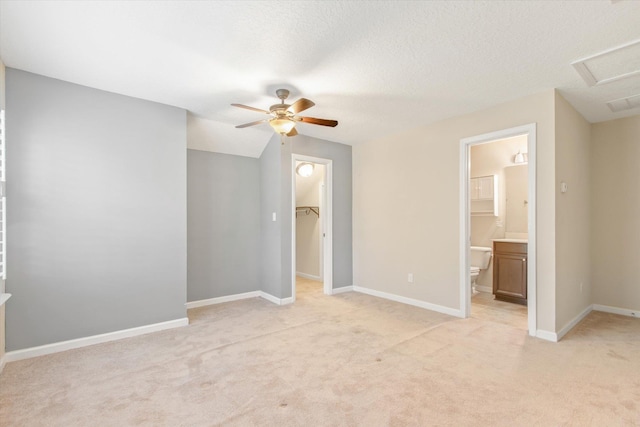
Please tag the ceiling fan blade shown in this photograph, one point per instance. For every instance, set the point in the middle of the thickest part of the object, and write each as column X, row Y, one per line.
column 246, row 107
column 321, row 122
column 246, row 125
column 292, row 132
column 300, row 105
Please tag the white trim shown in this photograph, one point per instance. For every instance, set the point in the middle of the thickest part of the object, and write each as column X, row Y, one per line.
column 236, row 297
column 616, row 310
column 3, row 196
column 321, row 231
column 275, row 300
column 487, row 289
column 555, row 337
column 546, row 335
column 572, row 323
column 219, row 300
column 308, row 276
column 336, row 291
column 2, row 363
column 57, row 347
column 465, row 221
column 410, row 301
column 4, row 298
column 584, row 71
column 327, row 222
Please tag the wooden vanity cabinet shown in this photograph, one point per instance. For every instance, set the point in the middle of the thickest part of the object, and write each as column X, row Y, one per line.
column 510, row 272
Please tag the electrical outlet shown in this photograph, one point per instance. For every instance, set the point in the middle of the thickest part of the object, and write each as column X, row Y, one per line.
column 410, row 278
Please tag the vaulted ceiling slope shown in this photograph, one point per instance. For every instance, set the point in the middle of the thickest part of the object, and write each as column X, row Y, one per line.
column 377, row 67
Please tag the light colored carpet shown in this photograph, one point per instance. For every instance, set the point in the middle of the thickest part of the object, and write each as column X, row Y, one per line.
column 344, row 360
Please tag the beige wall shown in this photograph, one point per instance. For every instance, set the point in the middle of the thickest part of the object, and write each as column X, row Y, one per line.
column 573, row 135
column 308, row 226
column 406, row 205
column 492, row 159
column 308, row 244
column 615, row 207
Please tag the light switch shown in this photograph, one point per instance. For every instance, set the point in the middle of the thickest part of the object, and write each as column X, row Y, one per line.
column 563, row 187
column 273, row 217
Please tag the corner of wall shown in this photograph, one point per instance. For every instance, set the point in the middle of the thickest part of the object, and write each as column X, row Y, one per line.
column 270, row 204
column 573, row 219
column 614, row 206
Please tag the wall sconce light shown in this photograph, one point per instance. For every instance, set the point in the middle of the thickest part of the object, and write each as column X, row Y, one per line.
column 304, row 169
column 520, row 158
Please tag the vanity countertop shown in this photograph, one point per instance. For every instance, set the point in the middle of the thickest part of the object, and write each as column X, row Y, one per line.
column 512, row 240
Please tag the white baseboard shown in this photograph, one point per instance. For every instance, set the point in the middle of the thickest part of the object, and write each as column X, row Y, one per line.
column 562, row 332
column 309, row 276
column 219, row 300
column 546, row 335
column 57, row 347
column 275, row 300
column 236, row 297
column 487, row 289
column 336, row 291
column 4, row 298
column 410, row 301
column 555, row 337
column 616, row 310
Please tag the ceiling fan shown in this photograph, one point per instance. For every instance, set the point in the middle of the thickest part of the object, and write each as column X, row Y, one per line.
column 283, row 116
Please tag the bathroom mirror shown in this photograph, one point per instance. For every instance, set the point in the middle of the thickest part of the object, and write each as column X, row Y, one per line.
column 517, row 192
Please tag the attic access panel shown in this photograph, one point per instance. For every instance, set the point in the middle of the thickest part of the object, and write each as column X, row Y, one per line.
column 614, row 64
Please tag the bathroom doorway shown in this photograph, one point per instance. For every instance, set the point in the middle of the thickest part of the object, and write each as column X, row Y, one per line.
column 311, row 226
column 497, row 248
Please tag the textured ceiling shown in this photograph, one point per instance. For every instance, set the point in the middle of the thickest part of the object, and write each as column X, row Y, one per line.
column 377, row 67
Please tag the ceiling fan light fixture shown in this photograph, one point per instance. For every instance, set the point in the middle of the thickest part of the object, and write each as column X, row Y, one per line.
column 283, row 117
column 305, row 169
column 282, row 125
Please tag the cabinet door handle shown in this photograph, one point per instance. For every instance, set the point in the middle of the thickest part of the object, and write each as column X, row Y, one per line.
column 524, row 260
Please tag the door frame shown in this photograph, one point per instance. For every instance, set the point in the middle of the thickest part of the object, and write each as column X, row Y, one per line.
column 465, row 217
column 326, row 222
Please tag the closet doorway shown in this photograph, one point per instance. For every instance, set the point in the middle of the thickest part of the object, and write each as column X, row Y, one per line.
column 311, row 248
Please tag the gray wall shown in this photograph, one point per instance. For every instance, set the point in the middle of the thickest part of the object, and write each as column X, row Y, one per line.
column 340, row 154
column 97, row 211
column 276, row 175
column 223, row 224
column 2, row 284
column 270, row 201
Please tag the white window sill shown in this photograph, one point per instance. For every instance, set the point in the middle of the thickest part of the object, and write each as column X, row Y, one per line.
column 4, row 298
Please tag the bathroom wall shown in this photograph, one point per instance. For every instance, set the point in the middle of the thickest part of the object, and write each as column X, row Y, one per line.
column 308, row 253
column 495, row 158
column 615, row 208
column 516, row 183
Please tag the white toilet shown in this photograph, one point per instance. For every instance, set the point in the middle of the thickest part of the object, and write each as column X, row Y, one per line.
column 480, row 259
